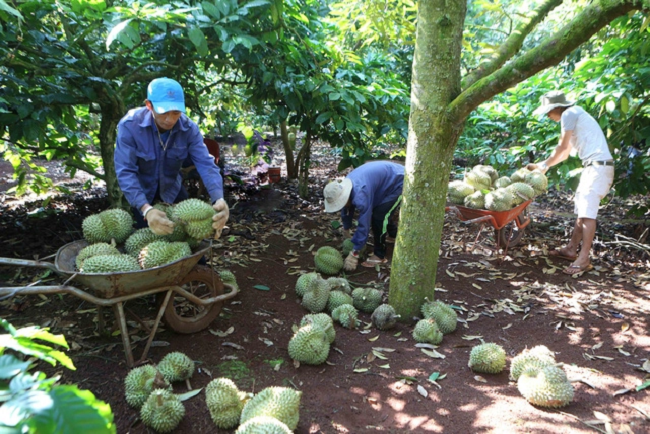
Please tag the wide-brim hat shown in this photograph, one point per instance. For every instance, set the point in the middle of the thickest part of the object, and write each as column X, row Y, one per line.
column 552, row 100
column 336, row 194
column 166, row 95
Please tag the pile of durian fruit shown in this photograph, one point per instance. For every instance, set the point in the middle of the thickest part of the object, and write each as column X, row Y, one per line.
column 148, row 388
column 482, row 188
column 143, row 249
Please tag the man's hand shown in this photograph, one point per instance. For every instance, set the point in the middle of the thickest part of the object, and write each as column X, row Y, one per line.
column 159, row 223
column 220, row 218
column 542, row 167
column 351, row 262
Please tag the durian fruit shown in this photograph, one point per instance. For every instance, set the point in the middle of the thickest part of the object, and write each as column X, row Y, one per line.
column 487, row 358
column 281, row 403
column 95, row 250
column 328, row 260
column 444, row 315
column 537, row 180
column 160, row 253
column 225, row 402
column 502, row 182
column 478, row 179
column 475, row 200
column 228, row 277
column 110, row 264
column 303, row 283
column 309, row 345
column 521, row 192
column 339, row 284
column 179, row 233
column 427, row 331
column 196, row 218
column 263, row 425
column 491, row 171
column 538, row 356
column 323, row 321
column 384, row 317
column 107, row 225
column 140, row 382
column 366, row 299
column 139, row 240
column 176, row 366
column 162, row 411
column 347, row 246
column 346, row 315
column 458, row 190
column 519, row 175
column 499, row 200
column 546, row 386
column 316, row 296
column 338, row 298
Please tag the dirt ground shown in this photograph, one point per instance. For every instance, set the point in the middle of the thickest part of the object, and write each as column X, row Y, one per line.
column 374, row 381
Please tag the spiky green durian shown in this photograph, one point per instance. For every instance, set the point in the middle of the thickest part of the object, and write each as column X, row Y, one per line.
column 179, row 233
column 110, row 264
column 176, row 366
column 444, row 315
column 339, row 284
column 538, row 356
column 537, row 180
column 427, row 331
column 546, row 386
column 489, row 170
column 384, row 317
column 479, row 180
column 499, row 200
column 196, row 218
column 280, row 403
column 228, row 277
column 316, row 296
column 328, row 260
column 346, row 315
column 487, row 358
column 475, row 200
column 309, row 345
column 347, row 246
column 158, row 253
column 107, row 225
column 323, row 321
column 338, row 298
column 162, row 411
column 458, row 190
column 95, row 250
column 304, row 282
column 139, row 240
column 502, row 182
column 521, row 192
column 263, row 425
column 225, row 402
column 519, row 175
column 366, row 299
column 140, row 382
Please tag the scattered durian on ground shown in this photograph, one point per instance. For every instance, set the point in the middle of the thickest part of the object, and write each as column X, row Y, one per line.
column 328, row 260
column 366, row 299
column 339, row 284
column 176, row 366
column 427, row 331
column 487, row 358
column 346, row 315
column 304, row 282
column 95, row 250
column 322, row 320
column 281, row 403
column 338, row 298
column 162, row 411
column 317, row 295
column 225, row 402
column 538, row 356
column 444, row 315
column 545, row 386
column 110, row 264
column 195, row 216
column 108, row 225
column 309, row 345
column 348, row 246
column 228, row 277
column 263, row 425
column 140, row 382
column 384, row 317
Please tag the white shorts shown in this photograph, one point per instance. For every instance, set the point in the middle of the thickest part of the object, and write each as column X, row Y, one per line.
column 595, row 183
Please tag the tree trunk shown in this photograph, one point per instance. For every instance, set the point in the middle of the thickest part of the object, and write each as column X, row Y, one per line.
column 430, row 147
column 111, row 116
column 302, row 162
column 288, row 152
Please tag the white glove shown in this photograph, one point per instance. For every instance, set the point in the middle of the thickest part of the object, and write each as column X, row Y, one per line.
column 220, row 218
column 159, row 223
column 351, row 262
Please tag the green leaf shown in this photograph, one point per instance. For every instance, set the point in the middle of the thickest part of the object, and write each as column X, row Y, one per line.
column 198, row 39
column 115, row 31
column 334, row 96
column 10, row 366
column 625, row 104
column 262, row 287
column 191, row 394
column 323, row 117
column 5, row 7
column 643, row 386
column 610, row 106
column 211, row 9
column 434, row 376
column 336, row 224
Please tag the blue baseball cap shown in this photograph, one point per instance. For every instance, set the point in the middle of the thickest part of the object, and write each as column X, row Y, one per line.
column 166, row 95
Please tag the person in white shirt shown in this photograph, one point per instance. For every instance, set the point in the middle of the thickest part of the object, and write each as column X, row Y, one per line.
column 581, row 136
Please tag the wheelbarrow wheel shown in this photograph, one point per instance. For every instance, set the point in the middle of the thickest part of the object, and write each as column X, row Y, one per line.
column 510, row 235
column 184, row 316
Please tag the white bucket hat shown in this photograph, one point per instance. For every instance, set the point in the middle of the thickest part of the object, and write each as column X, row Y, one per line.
column 551, row 100
column 336, row 194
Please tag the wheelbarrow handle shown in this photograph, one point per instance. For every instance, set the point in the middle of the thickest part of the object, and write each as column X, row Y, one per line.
column 27, row 263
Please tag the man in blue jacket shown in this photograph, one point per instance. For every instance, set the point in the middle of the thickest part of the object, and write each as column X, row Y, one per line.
column 374, row 189
column 152, row 144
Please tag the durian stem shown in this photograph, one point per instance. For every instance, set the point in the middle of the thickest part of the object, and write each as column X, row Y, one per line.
column 187, row 383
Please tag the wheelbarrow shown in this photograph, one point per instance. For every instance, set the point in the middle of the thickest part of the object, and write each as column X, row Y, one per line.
column 509, row 226
column 190, row 296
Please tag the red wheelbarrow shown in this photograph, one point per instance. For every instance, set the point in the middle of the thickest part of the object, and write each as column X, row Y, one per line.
column 509, row 226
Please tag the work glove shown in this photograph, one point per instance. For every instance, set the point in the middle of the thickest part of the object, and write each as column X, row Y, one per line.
column 159, row 223
column 351, row 262
column 346, row 234
column 220, row 218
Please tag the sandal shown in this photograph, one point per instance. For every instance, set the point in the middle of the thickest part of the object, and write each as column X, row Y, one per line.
column 574, row 270
column 370, row 262
column 557, row 253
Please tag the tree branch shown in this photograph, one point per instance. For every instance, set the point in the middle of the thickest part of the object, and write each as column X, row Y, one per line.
column 84, row 168
column 550, row 52
column 511, row 45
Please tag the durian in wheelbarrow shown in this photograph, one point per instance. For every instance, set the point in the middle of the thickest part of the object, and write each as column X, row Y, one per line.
column 195, row 216
column 538, row 181
column 281, row 403
column 107, row 225
column 475, row 200
column 487, row 358
column 139, row 239
column 158, row 253
column 162, row 411
column 458, row 191
column 179, row 233
column 519, row 175
column 263, row 425
column 499, row 200
column 502, row 182
column 309, row 345
column 328, row 260
column 478, row 179
column 95, row 250
column 225, row 402
column 521, row 192
column 110, row 264
column 140, row 382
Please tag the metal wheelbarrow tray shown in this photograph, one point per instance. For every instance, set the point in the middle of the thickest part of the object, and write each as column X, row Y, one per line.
column 190, row 295
column 499, row 220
